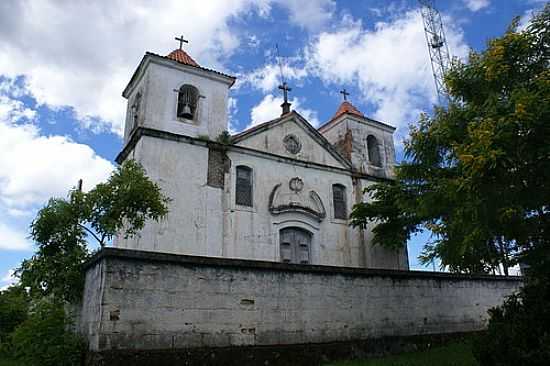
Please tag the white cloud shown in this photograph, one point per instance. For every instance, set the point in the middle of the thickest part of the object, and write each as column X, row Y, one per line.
column 80, row 54
column 476, row 5
column 11, row 239
column 311, row 14
column 389, row 64
column 270, row 108
column 34, row 167
column 268, row 77
column 232, row 110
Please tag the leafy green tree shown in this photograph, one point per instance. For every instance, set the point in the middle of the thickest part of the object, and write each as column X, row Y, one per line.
column 61, row 229
column 45, row 339
column 14, row 304
column 477, row 172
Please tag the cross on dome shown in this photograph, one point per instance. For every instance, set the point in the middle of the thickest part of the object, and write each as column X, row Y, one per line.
column 181, row 40
column 344, row 93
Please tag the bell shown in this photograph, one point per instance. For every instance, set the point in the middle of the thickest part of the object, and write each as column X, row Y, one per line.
column 186, row 113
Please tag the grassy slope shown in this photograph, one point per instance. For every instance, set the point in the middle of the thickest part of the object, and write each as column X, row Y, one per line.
column 455, row 354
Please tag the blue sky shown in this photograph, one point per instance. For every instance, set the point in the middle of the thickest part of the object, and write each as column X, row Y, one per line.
column 63, row 66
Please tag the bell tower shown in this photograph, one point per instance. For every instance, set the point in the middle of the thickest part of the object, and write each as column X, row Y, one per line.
column 173, row 93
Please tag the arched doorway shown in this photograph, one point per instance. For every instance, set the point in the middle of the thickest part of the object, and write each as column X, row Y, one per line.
column 295, row 244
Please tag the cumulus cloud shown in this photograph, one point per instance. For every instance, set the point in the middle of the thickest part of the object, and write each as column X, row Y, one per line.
column 270, row 108
column 310, row 14
column 476, row 5
column 389, row 64
column 86, row 51
column 11, row 239
column 34, row 167
column 268, row 77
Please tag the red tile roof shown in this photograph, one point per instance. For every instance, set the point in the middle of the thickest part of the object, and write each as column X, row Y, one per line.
column 347, row 107
column 181, row 56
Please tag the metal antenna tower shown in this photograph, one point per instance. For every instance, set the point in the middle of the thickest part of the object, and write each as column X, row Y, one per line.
column 437, row 45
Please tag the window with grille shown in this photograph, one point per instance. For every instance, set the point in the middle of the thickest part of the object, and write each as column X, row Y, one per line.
column 339, row 201
column 373, row 151
column 188, row 97
column 243, row 189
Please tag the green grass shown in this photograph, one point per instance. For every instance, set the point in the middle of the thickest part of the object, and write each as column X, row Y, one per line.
column 454, row 354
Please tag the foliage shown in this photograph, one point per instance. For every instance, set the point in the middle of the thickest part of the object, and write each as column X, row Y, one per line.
column 224, row 138
column 14, row 304
column 477, row 172
column 453, row 354
column 45, row 339
column 519, row 330
column 61, row 229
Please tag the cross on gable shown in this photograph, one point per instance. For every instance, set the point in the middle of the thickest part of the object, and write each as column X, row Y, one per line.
column 285, row 88
column 344, row 93
column 181, row 40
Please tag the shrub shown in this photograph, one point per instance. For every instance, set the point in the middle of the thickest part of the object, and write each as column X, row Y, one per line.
column 519, row 331
column 14, row 304
column 44, row 339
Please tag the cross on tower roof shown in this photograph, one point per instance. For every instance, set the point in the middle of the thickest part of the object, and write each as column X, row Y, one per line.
column 181, row 41
column 344, row 93
column 286, row 105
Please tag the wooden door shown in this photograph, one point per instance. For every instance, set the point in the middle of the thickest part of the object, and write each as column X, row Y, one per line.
column 295, row 245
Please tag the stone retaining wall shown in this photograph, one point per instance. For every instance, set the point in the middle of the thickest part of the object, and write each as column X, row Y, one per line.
column 136, row 300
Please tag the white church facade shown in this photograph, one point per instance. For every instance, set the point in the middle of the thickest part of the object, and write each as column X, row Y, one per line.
column 281, row 191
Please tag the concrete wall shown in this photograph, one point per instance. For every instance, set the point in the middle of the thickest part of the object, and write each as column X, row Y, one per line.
column 141, row 300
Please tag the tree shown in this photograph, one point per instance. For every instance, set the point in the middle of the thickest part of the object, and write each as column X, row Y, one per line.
column 14, row 304
column 61, row 229
column 45, row 339
column 476, row 173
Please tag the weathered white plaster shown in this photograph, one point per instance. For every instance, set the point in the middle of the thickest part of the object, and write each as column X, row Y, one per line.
column 204, row 219
column 160, row 79
column 271, row 141
column 360, row 129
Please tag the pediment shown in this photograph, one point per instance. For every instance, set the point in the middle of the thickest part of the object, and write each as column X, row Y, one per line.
column 292, row 136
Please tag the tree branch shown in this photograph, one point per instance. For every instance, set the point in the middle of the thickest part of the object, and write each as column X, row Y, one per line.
column 93, row 234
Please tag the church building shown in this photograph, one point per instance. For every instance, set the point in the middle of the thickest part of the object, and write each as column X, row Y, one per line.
column 280, row 191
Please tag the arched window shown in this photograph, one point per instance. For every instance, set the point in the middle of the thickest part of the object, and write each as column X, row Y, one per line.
column 295, row 244
column 243, row 189
column 339, row 202
column 373, row 151
column 188, row 97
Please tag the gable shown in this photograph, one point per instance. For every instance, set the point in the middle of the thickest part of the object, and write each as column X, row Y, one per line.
column 292, row 136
